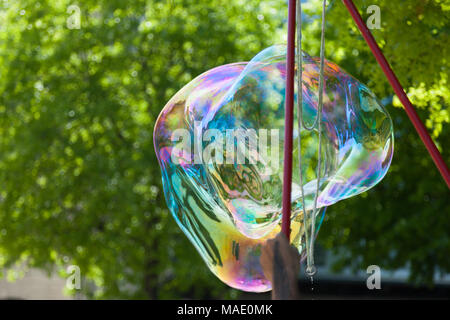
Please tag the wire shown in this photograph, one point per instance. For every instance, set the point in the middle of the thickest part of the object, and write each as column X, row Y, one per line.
column 309, row 238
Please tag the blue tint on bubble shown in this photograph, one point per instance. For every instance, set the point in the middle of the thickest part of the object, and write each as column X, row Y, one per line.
column 227, row 209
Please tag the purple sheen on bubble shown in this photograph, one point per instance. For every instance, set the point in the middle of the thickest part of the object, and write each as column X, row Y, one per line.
column 219, row 142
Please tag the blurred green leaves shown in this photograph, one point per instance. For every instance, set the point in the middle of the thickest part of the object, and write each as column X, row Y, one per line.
column 79, row 180
column 405, row 220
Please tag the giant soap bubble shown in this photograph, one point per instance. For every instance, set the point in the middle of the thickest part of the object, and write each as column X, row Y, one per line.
column 219, row 142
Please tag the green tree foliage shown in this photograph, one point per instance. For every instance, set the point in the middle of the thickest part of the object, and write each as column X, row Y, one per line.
column 79, row 180
column 404, row 221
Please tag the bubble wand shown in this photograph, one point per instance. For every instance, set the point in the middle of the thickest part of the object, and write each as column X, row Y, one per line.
column 295, row 6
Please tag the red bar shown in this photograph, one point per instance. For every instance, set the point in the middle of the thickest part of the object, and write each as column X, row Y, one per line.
column 398, row 89
column 289, row 121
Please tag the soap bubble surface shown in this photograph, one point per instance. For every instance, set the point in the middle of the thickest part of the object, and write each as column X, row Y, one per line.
column 219, row 142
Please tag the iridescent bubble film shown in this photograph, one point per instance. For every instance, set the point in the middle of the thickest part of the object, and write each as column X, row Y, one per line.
column 219, row 142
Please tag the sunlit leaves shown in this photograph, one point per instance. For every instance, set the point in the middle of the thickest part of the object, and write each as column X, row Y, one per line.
column 79, row 180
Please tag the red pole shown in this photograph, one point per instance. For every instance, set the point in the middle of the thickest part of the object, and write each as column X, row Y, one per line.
column 289, row 121
column 398, row 89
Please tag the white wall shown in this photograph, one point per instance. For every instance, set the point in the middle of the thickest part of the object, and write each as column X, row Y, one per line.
column 34, row 285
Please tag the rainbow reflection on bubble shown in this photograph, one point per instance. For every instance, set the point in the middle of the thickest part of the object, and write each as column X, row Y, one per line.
column 228, row 209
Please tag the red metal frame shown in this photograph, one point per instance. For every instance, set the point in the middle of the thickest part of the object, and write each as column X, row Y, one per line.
column 289, row 121
column 393, row 80
column 398, row 89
